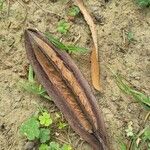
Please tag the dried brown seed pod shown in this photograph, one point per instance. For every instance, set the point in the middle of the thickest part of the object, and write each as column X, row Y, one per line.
column 71, row 93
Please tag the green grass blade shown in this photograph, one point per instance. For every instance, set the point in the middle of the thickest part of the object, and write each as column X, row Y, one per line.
column 138, row 96
column 76, row 49
column 55, row 41
column 32, row 87
column 30, row 74
column 36, row 89
column 143, row 3
column 60, row 45
column 122, row 146
column 141, row 97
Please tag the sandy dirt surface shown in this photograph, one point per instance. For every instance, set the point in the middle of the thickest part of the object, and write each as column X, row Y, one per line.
column 114, row 21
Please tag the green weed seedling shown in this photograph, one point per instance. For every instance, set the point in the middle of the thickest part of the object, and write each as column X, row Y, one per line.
column 54, row 146
column 138, row 141
column 38, row 128
column 33, row 87
column 62, row 125
column 143, row 3
column 138, row 96
column 122, row 146
column 63, row 27
column 141, row 140
column 44, row 135
column 73, row 11
column 60, row 45
column 44, row 147
column 129, row 130
column 33, row 128
column 1, row 4
column 30, row 128
column 60, row 121
column 130, row 36
column 45, row 119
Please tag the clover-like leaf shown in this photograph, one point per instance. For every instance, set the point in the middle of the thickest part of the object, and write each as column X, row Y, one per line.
column 54, row 146
column 30, row 128
column 147, row 134
column 129, row 130
column 44, row 135
column 63, row 26
column 66, row 147
column 74, row 11
column 45, row 119
column 44, row 147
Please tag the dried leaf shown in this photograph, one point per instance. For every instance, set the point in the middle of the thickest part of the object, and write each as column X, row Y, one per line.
column 70, row 91
column 95, row 67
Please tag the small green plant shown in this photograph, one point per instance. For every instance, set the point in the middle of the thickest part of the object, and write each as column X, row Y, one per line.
column 54, row 146
column 141, row 140
column 44, row 147
column 38, row 127
column 60, row 121
column 31, row 74
column 1, row 4
column 129, row 130
column 33, row 87
column 33, row 128
column 30, row 128
column 45, row 119
column 143, row 3
column 63, row 26
column 66, row 147
column 62, row 125
column 122, row 146
column 60, row 45
column 73, row 11
column 138, row 141
column 130, row 36
column 44, row 135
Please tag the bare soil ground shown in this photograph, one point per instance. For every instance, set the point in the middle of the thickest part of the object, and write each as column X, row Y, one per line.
column 114, row 21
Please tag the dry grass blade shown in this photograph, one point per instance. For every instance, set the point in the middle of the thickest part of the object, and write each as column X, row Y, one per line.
column 95, row 67
column 70, row 91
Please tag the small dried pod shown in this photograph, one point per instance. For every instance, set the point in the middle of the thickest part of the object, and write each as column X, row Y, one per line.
column 64, row 82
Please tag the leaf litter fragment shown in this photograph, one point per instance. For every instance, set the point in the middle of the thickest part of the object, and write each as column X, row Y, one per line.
column 95, row 67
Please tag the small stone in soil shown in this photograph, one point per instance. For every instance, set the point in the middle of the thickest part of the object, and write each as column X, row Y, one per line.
column 2, row 114
column 29, row 146
column 2, row 127
column 53, row 1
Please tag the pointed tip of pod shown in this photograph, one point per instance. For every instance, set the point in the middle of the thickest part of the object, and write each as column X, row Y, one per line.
column 28, row 31
column 28, row 37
